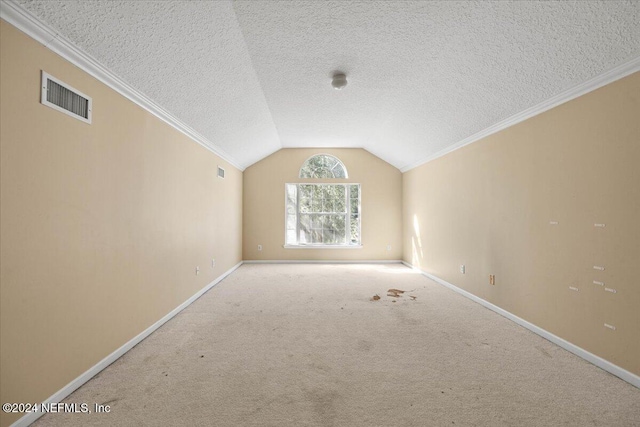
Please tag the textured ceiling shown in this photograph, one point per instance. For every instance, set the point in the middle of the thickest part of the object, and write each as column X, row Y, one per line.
column 188, row 57
column 254, row 76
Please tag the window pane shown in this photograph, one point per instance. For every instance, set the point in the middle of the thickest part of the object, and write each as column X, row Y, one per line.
column 291, row 193
column 329, row 237
column 355, row 191
column 305, row 205
column 338, row 172
column 291, row 237
column 340, row 205
column 339, row 224
column 291, row 222
column 316, row 191
column 355, row 229
column 328, row 191
column 305, row 222
column 305, row 228
column 305, row 191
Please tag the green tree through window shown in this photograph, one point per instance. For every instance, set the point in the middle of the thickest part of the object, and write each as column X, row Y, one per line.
column 323, row 214
column 323, row 166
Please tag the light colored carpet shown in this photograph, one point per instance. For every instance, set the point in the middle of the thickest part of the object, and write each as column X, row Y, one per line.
column 303, row 345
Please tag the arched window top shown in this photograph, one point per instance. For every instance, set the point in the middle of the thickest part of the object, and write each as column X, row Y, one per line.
column 323, row 166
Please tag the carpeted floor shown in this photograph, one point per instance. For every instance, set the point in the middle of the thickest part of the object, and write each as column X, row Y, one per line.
column 304, row 345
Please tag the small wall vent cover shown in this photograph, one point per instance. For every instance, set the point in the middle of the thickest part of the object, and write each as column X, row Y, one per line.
column 220, row 172
column 62, row 97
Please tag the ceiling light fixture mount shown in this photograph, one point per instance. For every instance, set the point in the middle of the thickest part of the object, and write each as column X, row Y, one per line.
column 339, row 81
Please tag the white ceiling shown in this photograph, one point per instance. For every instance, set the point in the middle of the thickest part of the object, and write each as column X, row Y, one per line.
column 254, row 76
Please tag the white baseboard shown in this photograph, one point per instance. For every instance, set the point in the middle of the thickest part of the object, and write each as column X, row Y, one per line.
column 616, row 370
column 86, row 376
column 321, row 261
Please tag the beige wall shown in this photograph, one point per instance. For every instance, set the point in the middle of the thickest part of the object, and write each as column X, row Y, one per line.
column 263, row 217
column 102, row 225
column 489, row 206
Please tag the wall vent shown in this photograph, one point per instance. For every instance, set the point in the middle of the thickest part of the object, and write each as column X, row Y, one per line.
column 220, row 172
column 62, row 97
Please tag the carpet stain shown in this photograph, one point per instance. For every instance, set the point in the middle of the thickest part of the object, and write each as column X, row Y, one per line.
column 544, row 352
column 404, row 318
column 150, row 358
column 396, row 293
column 317, row 367
column 364, row 345
column 324, row 405
column 110, row 401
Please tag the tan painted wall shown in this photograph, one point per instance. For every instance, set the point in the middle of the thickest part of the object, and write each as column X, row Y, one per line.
column 263, row 217
column 102, row 225
column 489, row 206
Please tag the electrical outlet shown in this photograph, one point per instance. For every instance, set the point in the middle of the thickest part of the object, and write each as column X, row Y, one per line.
column 213, row 263
column 259, row 247
column 197, row 270
column 388, row 247
column 462, row 268
column 492, row 279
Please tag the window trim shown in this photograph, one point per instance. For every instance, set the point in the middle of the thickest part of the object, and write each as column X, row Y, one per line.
column 316, row 245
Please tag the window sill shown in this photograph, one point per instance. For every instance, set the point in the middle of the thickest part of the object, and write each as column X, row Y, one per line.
column 322, row 246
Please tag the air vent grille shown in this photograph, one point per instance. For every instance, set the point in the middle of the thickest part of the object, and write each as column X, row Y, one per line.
column 220, row 172
column 62, row 97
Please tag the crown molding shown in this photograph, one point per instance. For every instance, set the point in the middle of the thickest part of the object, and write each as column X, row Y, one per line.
column 43, row 33
column 38, row 30
column 590, row 85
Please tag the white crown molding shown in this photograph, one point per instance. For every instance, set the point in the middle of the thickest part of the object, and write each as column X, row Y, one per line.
column 616, row 370
column 597, row 82
column 65, row 391
column 43, row 33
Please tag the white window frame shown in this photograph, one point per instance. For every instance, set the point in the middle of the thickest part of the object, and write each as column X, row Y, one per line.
column 347, row 223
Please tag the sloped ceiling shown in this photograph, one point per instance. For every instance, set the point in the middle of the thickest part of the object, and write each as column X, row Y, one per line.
column 254, row 76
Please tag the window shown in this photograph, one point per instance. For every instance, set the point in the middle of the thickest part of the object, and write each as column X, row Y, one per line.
column 323, row 166
column 323, row 215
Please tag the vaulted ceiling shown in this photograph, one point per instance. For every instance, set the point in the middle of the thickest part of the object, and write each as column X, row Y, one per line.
column 254, row 76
